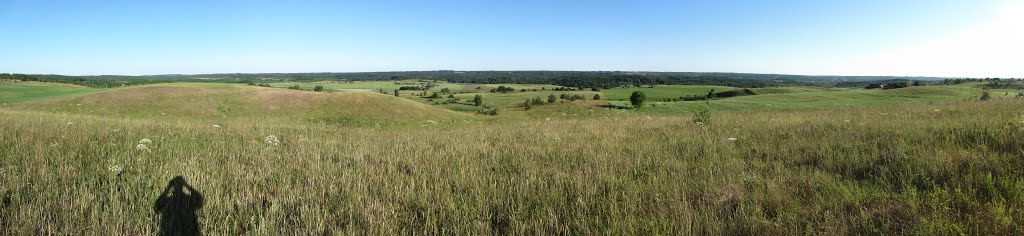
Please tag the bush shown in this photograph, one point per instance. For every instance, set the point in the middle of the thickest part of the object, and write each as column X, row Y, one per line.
column 478, row 100
column 503, row 89
column 638, row 99
column 702, row 115
column 597, row 96
column 528, row 104
column 295, row 87
column 396, row 93
column 552, row 98
column 489, row 111
column 985, row 96
column 318, row 88
column 896, row 85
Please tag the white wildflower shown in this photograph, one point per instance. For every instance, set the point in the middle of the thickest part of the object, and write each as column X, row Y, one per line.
column 648, row 117
column 731, row 139
column 431, row 121
column 216, row 126
column 547, row 119
column 141, row 147
column 271, row 139
column 71, row 123
column 700, row 123
column 937, row 110
column 115, row 168
column 145, row 141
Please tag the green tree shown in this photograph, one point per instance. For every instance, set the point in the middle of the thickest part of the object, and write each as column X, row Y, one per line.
column 597, row 96
column 552, row 98
column 396, row 93
column 478, row 100
column 528, row 104
column 638, row 99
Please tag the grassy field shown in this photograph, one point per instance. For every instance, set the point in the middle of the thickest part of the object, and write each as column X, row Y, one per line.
column 923, row 160
column 15, row 92
column 795, row 100
column 662, row 92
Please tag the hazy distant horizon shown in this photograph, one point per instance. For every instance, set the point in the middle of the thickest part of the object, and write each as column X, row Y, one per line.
column 620, row 71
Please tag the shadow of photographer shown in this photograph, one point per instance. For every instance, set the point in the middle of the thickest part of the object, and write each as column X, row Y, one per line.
column 177, row 206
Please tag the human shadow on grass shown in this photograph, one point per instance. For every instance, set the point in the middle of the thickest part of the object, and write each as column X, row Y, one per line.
column 177, row 206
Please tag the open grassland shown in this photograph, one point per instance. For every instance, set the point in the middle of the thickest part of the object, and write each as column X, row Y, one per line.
column 903, row 168
column 368, row 86
column 662, row 92
column 15, row 92
column 218, row 103
column 820, row 99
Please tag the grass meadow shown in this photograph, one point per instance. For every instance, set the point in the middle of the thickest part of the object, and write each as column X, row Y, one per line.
column 268, row 165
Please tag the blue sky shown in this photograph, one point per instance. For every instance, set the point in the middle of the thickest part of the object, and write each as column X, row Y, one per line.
column 842, row 37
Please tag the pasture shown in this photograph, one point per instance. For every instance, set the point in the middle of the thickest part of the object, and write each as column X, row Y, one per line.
column 790, row 160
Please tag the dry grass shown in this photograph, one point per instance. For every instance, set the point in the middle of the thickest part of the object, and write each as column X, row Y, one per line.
column 893, row 170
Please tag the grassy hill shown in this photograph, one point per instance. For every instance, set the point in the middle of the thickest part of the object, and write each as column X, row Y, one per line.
column 16, row 92
column 240, row 103
column 795, row 160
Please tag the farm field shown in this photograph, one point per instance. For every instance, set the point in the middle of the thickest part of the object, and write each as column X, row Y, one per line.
column 790, row 160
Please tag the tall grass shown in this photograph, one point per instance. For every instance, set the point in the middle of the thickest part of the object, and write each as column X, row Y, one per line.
column 936, row 169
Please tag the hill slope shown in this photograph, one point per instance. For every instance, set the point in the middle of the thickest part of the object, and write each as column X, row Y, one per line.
column 228, row 102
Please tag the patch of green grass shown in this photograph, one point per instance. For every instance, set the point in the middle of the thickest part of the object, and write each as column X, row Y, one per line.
column 367, row 86
column 817, row 100
column 17, row 92
column 516, row 99
column 662, row 92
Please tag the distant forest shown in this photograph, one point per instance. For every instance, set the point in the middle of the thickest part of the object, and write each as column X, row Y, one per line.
column 578, row 79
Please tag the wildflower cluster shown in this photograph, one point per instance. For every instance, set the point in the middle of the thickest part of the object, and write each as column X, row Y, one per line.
column 116, row 169
column 271, row 139
column 142, row 146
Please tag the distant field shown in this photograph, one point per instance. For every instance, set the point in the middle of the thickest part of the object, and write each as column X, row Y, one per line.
column 821, row 99
column 367, row 86
column 662, row 92
column 15, row 92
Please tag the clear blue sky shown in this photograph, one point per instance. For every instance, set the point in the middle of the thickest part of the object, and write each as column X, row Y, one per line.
column 187, row 37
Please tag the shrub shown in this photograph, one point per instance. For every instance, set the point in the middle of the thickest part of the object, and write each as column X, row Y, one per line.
column 896, row 85
column 295, row 87
column 434, row 96
column 985, row 96
column 478, row 100
column 702, row 115
column 318, row 88
column 489, row 111
column 528, row 104
column 552, row 98
column 637, row 99
column 597, row 96
column 396, row 93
